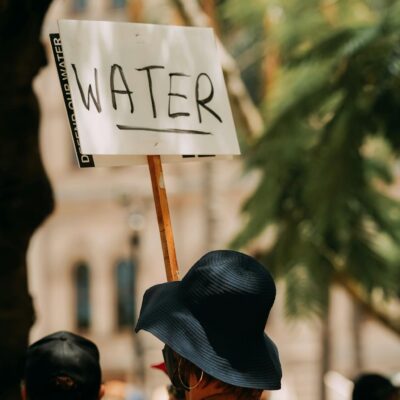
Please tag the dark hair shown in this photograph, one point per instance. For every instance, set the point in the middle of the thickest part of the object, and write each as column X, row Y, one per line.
column 187, row 368
column 178, row 394
column 373, row 387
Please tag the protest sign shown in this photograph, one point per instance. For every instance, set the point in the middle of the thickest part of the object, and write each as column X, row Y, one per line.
column 140, row 89
column 136, row 92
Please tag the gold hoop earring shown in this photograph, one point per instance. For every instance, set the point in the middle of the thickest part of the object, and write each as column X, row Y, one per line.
column 186, row 387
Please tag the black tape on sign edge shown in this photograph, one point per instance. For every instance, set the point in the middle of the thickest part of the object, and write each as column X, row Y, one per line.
column 84, row 160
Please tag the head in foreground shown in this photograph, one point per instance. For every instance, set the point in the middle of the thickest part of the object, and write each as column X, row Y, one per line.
column 212, row 323
column 62, row 366
column 374, row 387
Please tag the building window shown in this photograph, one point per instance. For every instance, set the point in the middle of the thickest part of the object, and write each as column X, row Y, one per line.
column 118, row 3
column 125, row 283
column 79, row 5
column 82, row 285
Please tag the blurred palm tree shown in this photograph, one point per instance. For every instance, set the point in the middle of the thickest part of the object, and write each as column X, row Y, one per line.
column 327, row 156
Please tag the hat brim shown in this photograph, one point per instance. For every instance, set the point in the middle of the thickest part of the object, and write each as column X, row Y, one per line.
column 254, row 363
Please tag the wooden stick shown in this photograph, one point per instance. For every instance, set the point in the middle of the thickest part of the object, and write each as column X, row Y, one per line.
column 164, row 221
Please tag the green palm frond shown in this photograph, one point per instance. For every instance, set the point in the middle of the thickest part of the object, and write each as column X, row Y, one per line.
column 378, row 169
column 369, row 267
column 327, row 155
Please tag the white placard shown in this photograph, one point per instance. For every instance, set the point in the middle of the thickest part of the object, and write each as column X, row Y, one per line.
column 140, row 89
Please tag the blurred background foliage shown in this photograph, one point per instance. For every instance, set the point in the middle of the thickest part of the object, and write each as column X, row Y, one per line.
column 328, row 85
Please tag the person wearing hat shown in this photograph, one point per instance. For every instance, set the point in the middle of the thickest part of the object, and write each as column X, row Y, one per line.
column 62, row 366
column 212, row 324
column 374, row 387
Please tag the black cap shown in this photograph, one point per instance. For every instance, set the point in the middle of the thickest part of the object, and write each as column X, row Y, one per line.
column 62, row 365
column 373, row 387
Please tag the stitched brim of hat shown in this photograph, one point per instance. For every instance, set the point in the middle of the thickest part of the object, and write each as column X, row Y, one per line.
column 252, row 364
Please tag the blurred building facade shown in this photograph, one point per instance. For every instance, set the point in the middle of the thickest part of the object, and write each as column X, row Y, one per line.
column 92, row 260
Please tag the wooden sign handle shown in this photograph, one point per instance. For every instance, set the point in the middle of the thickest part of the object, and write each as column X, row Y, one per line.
column 164, row 221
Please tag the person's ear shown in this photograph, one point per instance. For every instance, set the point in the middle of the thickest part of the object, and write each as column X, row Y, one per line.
column 102, row 391
column 23, row 391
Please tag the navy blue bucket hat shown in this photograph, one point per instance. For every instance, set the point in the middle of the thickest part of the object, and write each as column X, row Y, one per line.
column 215, row 318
